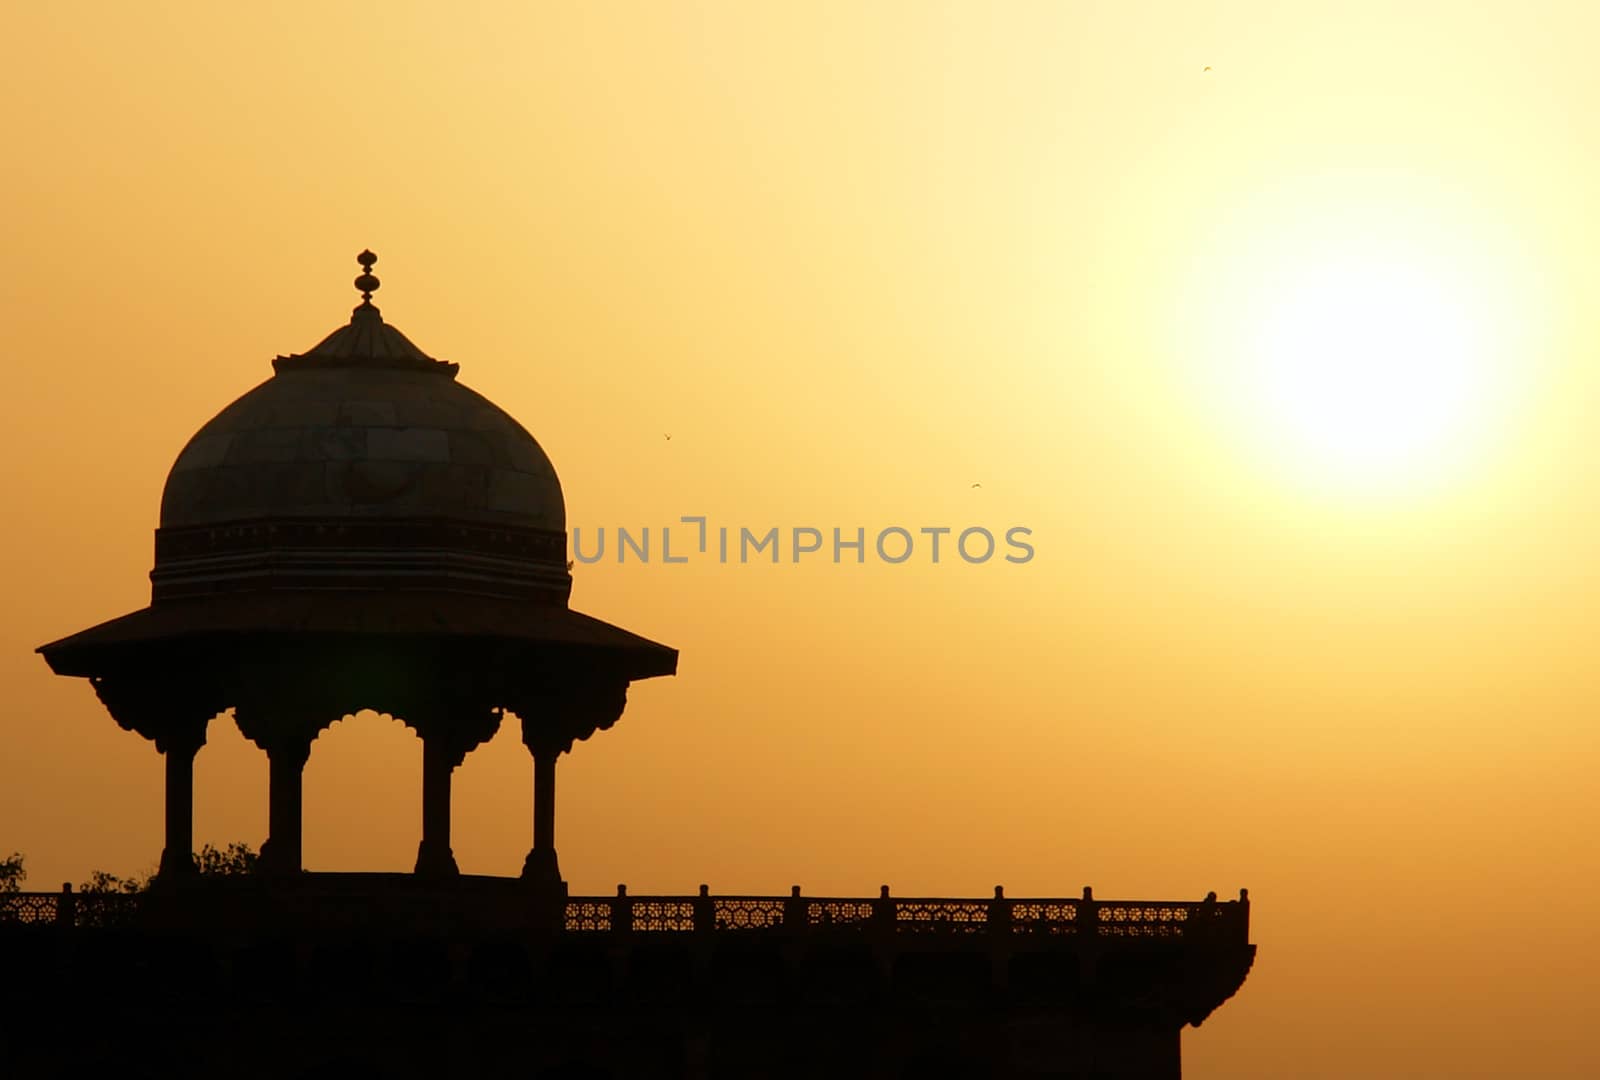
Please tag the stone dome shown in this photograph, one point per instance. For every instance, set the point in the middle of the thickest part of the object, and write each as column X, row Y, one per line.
column 361, row 443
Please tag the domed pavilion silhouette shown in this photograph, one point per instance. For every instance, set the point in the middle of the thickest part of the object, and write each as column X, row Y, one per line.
column 363, row 531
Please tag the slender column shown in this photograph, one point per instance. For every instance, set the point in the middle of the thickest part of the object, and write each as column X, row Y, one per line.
column 173, row 711
column 179, row 750
column 281, row 854
column 541, row 865
column 553, row 718
column 434, row 857
column 544, row 801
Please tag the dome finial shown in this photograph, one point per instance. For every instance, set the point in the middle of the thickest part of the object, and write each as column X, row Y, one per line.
column 366, row 282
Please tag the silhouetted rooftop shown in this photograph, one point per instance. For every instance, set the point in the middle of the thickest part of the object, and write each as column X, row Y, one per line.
column 312, row 613
column 361, row 491
column 363, row 425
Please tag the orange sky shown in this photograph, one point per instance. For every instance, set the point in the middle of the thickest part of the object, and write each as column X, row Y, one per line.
column 856, row 259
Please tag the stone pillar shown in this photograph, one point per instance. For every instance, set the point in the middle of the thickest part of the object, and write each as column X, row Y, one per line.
column 434, row 856
column 281, row 854
column 179, row 750
column 451, row 723
column 541, row 866
column 171, row 709
column 553, row 718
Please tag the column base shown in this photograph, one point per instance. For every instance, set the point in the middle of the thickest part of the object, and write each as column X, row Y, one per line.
column 270, row 863
column 540, row 870
column 176, row 865
column 547, row 892
column 436, row 861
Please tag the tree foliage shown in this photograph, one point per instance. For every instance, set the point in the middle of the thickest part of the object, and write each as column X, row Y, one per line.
column 236, row 858
column 12, row 873
column 101, row 882
column 210, row 860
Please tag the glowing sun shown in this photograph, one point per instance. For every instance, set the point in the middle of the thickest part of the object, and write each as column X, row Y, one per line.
column 1370, row 371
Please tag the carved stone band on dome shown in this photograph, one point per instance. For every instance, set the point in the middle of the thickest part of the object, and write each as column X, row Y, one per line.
column 367, row 342
column 432, row 555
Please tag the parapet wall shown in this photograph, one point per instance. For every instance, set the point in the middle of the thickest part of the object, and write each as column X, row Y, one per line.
column 372, row 975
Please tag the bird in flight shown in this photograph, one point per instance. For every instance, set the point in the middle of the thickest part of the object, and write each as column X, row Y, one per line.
column 1208, row 67
column 669, row 438
column 977, row 485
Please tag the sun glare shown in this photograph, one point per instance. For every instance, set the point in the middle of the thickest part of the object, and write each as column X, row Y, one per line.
column 1362, row 334
column 1372, row 372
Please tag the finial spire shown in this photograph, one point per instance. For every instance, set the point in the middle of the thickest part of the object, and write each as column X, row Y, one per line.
column 367, row 341
column 366, row 282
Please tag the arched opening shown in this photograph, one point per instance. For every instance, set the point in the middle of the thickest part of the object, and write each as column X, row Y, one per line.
column 494, row 804
column 230, row 788
column 363, row 796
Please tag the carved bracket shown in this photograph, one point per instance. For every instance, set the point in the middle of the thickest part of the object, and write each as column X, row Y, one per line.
column 172, row 713
column 559, row 714
column 460, row 723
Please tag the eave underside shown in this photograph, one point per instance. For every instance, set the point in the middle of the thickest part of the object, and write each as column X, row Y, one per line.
column 486, row 630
